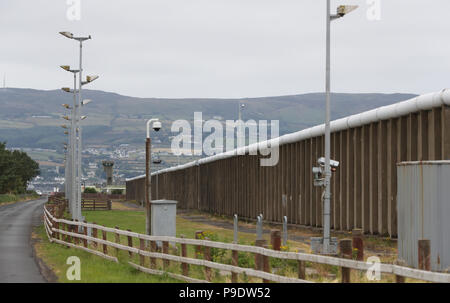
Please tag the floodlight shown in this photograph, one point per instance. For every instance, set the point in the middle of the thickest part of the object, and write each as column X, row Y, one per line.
column 67, row 34
column 86, row 102
column 91, row 78
column 343, row 10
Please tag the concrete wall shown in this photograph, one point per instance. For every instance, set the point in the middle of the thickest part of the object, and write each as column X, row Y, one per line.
column 364, row 188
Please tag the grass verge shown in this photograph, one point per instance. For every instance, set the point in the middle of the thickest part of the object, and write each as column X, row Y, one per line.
column 11, row 198
column 96, row 269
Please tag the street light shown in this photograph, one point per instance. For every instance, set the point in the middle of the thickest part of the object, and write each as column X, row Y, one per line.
column 67, row 34
column 76, row 146
column 86, row 102
column 241, row 126
column 71, row 164
column 340, row 12
column 156, row 125
column 90, row 79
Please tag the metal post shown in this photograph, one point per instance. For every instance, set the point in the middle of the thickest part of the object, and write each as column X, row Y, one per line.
column 72, row 151
column 259, row 228
column 285, row 231
column 327, row 196
column 78, row 181
column 235, row 229
column 148, row 187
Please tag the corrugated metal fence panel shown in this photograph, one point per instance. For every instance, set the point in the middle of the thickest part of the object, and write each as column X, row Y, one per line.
column 364, row 188
column 423, row 211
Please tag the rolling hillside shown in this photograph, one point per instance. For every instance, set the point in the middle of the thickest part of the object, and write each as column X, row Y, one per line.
column 31, row 118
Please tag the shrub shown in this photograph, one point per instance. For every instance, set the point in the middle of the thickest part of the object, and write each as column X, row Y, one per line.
column 90, row 190
column 117, row 191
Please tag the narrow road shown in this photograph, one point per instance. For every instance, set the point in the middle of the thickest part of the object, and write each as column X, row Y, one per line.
column 17, row 264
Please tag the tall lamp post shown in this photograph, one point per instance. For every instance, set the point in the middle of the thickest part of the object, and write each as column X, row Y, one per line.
column 148, row 177
column 241, row 134
column 341, row 12
column 76, row 137
column 72, row 176
column 67, row 164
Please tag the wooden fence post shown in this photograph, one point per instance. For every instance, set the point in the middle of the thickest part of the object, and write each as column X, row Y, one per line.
column 142, row 247
column 152, row 259
column 75, row 230
column 63, row 236
column 301, row 270
column 165, row 250
column 184, row 266
column 69, row 229
column 105, row 247
column 57, row 227
column 117, row 239
column 424, row 254
column 207, row 257
column 275, row 239
column 94, row 234
column 198, row 249
column 234, row 262
column 130, row 243
column 266, row 264
column 85, row 241
column 358, row 243
column 345, row 246
column 258, row 257
column 400, row 279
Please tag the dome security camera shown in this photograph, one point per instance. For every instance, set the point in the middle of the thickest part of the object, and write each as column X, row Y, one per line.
column 157, row 126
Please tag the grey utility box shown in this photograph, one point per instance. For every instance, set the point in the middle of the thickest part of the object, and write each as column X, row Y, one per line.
column 164, row 218
column 423, row 211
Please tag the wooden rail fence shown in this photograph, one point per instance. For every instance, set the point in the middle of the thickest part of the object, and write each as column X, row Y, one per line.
column 95, row 204
column 66, row 233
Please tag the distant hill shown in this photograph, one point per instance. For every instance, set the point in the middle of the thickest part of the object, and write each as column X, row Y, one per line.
column 31, row 118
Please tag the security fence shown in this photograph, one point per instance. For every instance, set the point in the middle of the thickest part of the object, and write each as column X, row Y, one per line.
column 364, row 187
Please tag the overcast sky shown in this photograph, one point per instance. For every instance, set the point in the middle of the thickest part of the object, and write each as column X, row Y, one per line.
column 227, row 48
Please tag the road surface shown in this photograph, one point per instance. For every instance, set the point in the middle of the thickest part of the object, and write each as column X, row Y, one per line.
column 17, row 264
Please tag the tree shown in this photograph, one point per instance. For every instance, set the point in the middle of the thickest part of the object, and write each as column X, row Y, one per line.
column 16, row 170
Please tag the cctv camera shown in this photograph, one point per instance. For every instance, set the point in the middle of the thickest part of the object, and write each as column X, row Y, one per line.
column 321, row 161
column 157, row 126
column 333, row 163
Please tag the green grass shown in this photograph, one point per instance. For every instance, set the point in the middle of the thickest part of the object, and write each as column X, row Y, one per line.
column 100, row 270
column 94, row 269
column 11, row 198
